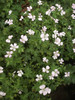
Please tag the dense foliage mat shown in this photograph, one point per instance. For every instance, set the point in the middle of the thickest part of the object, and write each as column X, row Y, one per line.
column 37, row 48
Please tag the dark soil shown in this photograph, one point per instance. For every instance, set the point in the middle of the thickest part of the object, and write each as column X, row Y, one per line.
column 64, row 93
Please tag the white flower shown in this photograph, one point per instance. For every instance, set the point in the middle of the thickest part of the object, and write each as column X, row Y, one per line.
column 6, row 22
column 31, row 32
column 56, row 20
column 73, row 5
column 1, row 69
column 44, row 37
column 2, row 93
column 10, row 11
column 44, row 28
column 74, row 11
column 10, row 36
column 32, row 17
column 62, row 34
column 61, row 61
column 7, row 40
column 44, row 90
column 42, row 86
column 57, row 5
column 73, row 41
column 59, row 8
column 55, row 32
column 20, row 92
column 23, row 38
column 51, row 77
column 52, row 8
column 55, row 73
column 39, row 2
column 62, row 12
column 39, row 77
column 46, row 69
column 40, row 17
column 67, row 74
column 45, row 60
column 20, row 73
column 56, row 54
column 73, row 49
column 29, row 8
column 48, row 90
column 21, row 18
column 73, row 16
column 58, row 42
column 69, row 27
column 14, row 47
column 25, row 12
column 9, row 54
column 10, row 22
column 54, row 35
column 48, row 12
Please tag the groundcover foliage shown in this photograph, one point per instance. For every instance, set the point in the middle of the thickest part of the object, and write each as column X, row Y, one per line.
column 37, row 48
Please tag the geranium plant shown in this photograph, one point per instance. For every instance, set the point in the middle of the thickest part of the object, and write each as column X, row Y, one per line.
column 37, row 50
